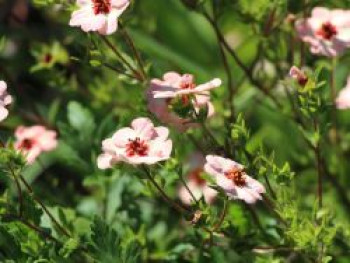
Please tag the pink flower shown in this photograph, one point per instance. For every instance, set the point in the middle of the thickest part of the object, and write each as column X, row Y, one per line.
column 327, row 31
column 34, row 140
column 298, row 75
column 231, row 177
column 98, row 15
column 5, row 100
column 142, row 143
column 197, row 185
column 343, row 99
column 162, row 93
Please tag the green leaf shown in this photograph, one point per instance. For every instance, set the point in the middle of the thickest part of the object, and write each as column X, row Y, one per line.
column 31, row 212
column 80, row 118
column 69, row 247
column 107, row 247
column 9, row 247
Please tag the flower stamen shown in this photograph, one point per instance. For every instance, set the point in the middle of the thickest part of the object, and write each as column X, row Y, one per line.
column 136, row 147
column 101, row 6
column 238, row 176
column 26, row 144
column 327, row 31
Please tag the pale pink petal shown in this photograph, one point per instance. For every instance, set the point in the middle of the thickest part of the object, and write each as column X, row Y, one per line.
column 104, row 161
column 3, row 113
column 3, row 87
column 121, row 138
column 247, row 195
column 343, row 99
column 221, row 164
column 32, row 154
column 209, row 85
column 110, row 24
column 255, row 185
column 144, row 128
column 120, row 4
column 226, row 184
column 162, row 133
column 161, row 149
column 29, row 132
column 209, row 194
column 47, row 141
column 84, row 2
column 321, row 12
column 172, row 77
column 165, row 94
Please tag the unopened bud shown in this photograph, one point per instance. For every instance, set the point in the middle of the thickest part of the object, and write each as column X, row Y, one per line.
column 290, row 19
column 196, row 217
column 298, row 75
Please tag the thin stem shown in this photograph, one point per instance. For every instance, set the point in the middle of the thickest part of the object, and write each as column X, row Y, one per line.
column 319, row 180
column 111, row 67
column 120, row 56
column 269, row 186
column 333, row 95
column 227, row 69
column 134, row 50
column 246, row 70
column 207, row 131
column 317, row 152
column 37, row 229
column 30, row 190
column 222, row 216
column 188, row 189
column 270, row 206
column 196, row 143
column 342, row 193
column 211, row 136
column 340, row 190
column 256, row 219
column 179, row 208
column 19, row 191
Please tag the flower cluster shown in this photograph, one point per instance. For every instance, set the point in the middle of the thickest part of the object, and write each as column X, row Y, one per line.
column 175, row 100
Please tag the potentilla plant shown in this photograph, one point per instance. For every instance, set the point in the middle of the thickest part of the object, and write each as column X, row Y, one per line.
column 174, row 131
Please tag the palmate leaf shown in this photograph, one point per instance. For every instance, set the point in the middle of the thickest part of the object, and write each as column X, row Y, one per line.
column 107, row 247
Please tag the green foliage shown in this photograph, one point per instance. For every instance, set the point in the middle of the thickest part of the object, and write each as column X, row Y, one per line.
column 106, row 245
column 288, row 136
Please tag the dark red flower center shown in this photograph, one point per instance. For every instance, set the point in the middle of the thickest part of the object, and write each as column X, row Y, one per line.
column 47, row 58
column 302, row 80
column 327, row 31
column 187, row 84
column 195, row 176
column 238, row 176
column 101, row 6
column 26, row 144
column 136, row 147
